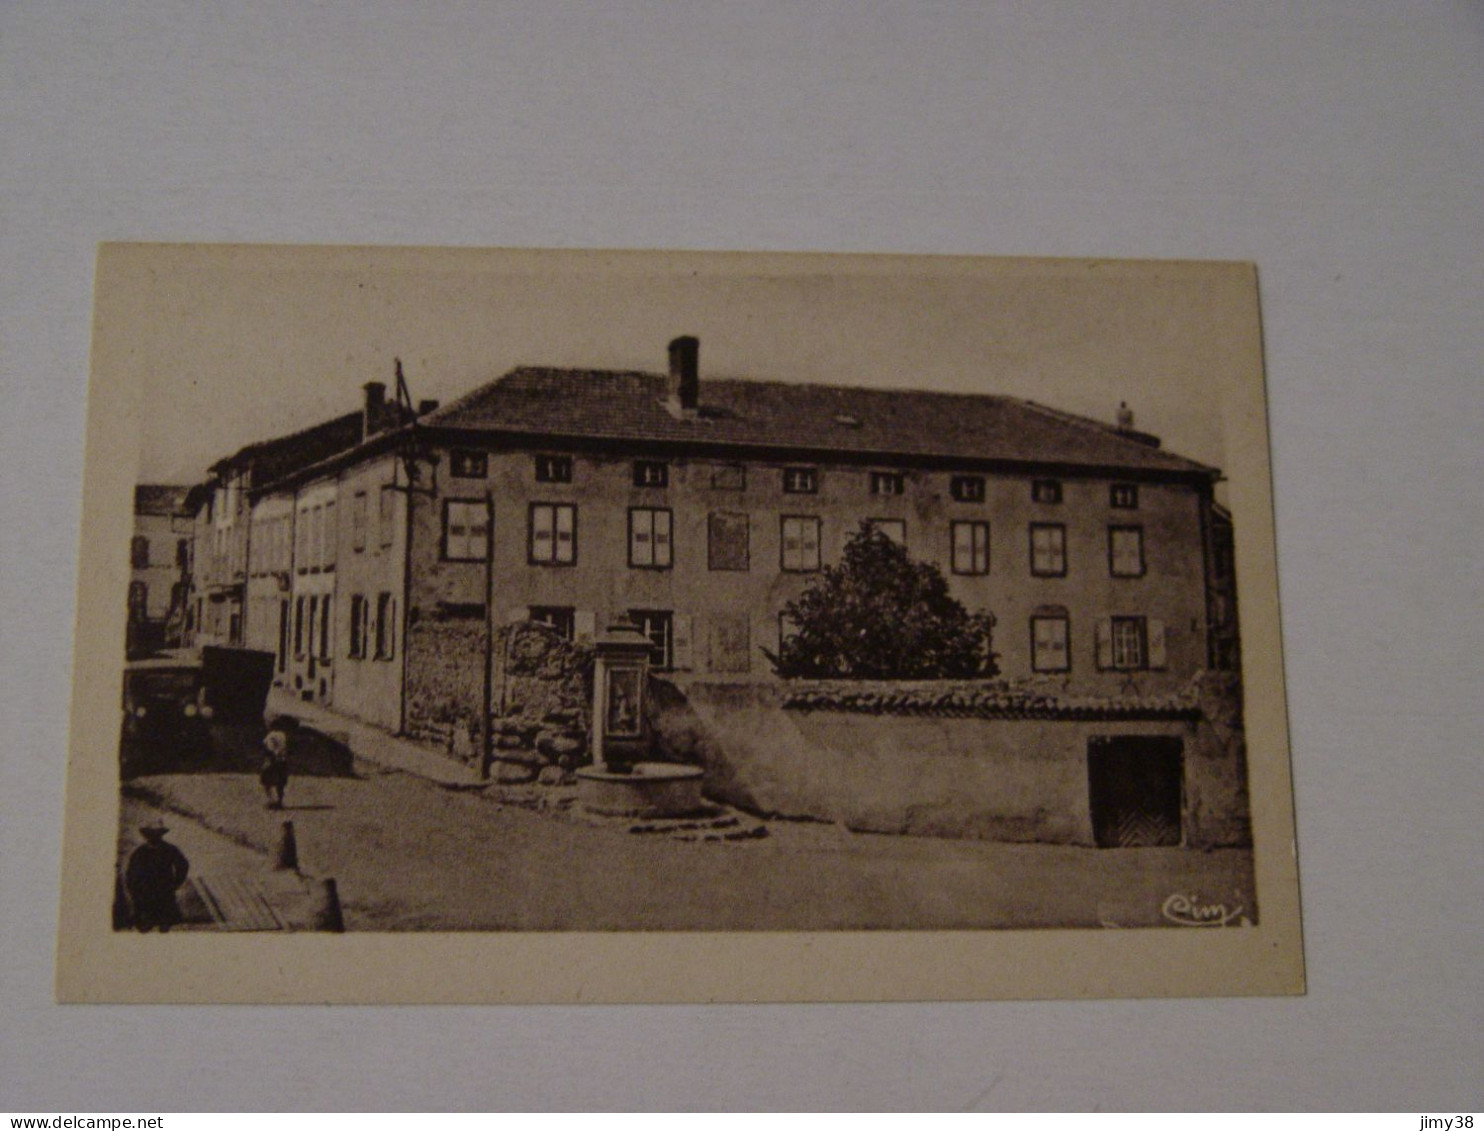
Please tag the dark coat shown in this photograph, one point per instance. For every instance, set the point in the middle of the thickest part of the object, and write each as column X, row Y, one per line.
column 154, row 873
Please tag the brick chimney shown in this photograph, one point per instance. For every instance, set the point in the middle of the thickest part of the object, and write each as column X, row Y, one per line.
column 374, row 414
column 685, row 373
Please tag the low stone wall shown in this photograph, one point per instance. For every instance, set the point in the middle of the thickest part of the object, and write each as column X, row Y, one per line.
column 970, row 773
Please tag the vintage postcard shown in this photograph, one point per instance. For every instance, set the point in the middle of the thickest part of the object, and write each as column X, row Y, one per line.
column 557, row 626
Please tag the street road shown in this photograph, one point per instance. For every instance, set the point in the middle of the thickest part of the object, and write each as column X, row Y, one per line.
column 408, row 854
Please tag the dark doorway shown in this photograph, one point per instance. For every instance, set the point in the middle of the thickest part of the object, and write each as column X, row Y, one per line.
column 1135, row 783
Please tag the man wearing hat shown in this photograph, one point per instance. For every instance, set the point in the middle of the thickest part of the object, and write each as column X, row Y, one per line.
column 154, row 874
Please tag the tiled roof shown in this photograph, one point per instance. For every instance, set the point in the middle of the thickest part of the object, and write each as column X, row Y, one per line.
column 629, row 405
column 284, row 455
column 160, row 498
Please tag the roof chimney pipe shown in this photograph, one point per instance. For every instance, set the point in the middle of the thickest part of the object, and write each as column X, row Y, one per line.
column 685, row 373
column 375, row 408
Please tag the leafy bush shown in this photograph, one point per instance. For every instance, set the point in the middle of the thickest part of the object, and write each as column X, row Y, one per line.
column 880, row 614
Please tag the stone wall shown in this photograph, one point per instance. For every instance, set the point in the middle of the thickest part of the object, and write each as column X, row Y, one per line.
column 1016, row 777
column 445, row 682
column 542, row 709
column 540, row 695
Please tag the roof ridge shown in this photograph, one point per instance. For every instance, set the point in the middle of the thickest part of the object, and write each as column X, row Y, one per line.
column 1098, row 426
column 287, row 437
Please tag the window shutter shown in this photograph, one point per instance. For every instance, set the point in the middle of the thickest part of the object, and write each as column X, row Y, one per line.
column 809, row 551
column 662, row 543
column 1156, row 633
column 1105, row 644
column 566, row 534
column 682, row 641
column 585, row 625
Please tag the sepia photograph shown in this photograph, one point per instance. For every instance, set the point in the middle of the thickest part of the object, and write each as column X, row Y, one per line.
column 676, row 601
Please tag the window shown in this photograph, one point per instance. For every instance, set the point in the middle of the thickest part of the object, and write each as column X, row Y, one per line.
column 330, row 537
column 1046, row 491
column 800, row 544
column 659, row 626
column 893, row 528
column 651, row 473
column 729, row 477
column 358, row 618
column 727, row 542
column 1125, row 496
column 299, row 627
column 388, row 513
column 967, row 488
column 1048, row 549
column 971, row 547
column 561, row 618
column 312, row 526
column 312, row 630
column 553, row 469
column 1128, row 643
column 386, row 629
column 139, row 552
column 464, row 464
column 325, row 623
column 887, row 483
column 1131, row 643
column 138, row 602
column 649, row 538
column 358, row 521
column 1126, row 551
column 553, row 534
column 800, row 480
column 1049, row 651
column 465, row 530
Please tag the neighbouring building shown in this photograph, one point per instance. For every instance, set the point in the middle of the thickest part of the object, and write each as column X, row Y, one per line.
column 159, row 567
column 221, row 516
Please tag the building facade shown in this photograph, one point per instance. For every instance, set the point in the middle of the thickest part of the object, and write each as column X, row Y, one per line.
column 222, row 509
column 699, row 510
column 160, row 553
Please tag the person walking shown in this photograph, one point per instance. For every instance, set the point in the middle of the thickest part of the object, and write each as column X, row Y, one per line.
column 155, row 872
column 275, row 772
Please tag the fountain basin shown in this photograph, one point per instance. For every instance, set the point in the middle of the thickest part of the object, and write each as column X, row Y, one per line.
column 651, row 789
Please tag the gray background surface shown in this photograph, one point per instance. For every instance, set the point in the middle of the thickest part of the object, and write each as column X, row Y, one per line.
column 1337, row 145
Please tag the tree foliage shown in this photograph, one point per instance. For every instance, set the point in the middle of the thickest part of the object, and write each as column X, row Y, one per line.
column 880, row 614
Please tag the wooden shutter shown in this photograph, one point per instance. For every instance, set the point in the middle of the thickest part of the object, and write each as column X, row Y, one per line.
column 681, row 644
column 1105, row 644
column 1156, row 641
column 584, row 626
column 809, row 543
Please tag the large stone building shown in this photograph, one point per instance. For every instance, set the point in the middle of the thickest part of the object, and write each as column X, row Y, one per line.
column 699, row 508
